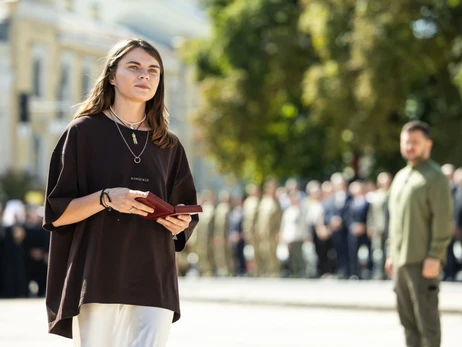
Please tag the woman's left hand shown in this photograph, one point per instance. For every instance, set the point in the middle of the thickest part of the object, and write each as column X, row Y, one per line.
column 175, row 224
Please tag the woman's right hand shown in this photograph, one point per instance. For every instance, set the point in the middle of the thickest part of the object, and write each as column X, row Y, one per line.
column 123, row 200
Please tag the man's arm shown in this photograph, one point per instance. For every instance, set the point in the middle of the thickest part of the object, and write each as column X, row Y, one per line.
column 440, row 200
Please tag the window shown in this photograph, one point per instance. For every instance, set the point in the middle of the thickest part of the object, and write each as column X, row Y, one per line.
column 23, row 108
column 64, row 92
column 86, row 77
column 39, row 158
column 36, row 150
column 38, row 71
column 4, row 29
column 37, row 77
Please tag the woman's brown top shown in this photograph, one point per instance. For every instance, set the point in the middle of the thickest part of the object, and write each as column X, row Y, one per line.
column 112, row 257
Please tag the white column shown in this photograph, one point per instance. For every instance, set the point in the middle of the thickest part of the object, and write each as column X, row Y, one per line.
column 6, row 114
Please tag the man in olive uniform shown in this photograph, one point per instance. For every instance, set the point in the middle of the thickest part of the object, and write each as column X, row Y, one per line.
column 420, row 230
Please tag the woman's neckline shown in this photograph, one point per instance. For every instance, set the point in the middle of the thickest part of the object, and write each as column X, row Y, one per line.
column 121, row 125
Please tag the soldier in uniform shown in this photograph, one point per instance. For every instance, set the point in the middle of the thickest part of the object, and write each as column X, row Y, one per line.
column 267, row 232
column 420, row 229
column 204, row 235
column 377, row 224
column 222, row 249
column 250, row 210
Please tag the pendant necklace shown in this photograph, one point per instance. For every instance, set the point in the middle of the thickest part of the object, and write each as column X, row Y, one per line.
column 137, row 158
column 130, row 124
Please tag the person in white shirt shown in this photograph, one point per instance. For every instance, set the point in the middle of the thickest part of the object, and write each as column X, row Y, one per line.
column 293, row 236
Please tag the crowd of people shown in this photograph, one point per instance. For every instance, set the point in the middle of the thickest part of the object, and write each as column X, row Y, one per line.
column 24, row 248
column 333, row 229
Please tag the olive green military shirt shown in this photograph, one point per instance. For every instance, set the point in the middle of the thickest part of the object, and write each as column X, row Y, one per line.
column 420, row 208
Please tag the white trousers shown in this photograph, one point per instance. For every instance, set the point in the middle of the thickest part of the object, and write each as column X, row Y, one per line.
column 116, row 325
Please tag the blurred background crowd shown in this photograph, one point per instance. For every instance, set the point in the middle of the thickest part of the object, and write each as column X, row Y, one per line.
column 337, row 228
column 334, row 228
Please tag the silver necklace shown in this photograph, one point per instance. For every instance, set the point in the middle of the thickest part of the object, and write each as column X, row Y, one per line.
column 132, row 125
column 137, row 158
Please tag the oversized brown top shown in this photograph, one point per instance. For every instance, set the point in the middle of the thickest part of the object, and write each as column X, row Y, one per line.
column 112, row 257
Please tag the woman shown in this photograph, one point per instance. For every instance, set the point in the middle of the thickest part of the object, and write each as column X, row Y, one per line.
column 112, row 277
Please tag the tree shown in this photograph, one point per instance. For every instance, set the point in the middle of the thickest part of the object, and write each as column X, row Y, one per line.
column 299, row 87
column 382, row 64
column 252, row 118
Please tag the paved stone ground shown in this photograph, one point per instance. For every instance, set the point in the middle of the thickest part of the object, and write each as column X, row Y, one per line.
column 212, row 324
column 231, row 325
column 337, row 294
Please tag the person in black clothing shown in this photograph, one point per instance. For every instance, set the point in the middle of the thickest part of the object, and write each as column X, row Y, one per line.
column 36, row 247
column 336, row 220
column 13, row 259
column 357, row 229
column 451, row 267
column 13, row 251
column 452, row 271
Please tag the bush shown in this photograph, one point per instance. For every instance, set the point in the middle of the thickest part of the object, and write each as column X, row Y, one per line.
column 15, row 185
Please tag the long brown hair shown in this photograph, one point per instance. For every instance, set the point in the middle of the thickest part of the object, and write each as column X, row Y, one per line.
column 102, row 94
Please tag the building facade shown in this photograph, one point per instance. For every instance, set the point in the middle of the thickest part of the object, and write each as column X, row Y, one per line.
column 50, row 54
column 6, row 90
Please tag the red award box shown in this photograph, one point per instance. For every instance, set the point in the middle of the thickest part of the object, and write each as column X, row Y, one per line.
column 163, row 209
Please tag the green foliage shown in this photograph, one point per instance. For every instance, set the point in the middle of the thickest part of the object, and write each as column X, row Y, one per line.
column 292, row 87
column 382, row 64
column 15, row 185
column 252, row 117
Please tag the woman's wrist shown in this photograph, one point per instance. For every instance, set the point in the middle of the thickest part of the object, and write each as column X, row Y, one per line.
column 105, row 199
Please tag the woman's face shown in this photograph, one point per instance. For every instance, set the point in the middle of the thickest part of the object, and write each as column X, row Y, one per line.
column 137, row 76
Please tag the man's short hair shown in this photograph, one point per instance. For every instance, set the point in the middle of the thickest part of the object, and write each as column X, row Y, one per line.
column 417, row 125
